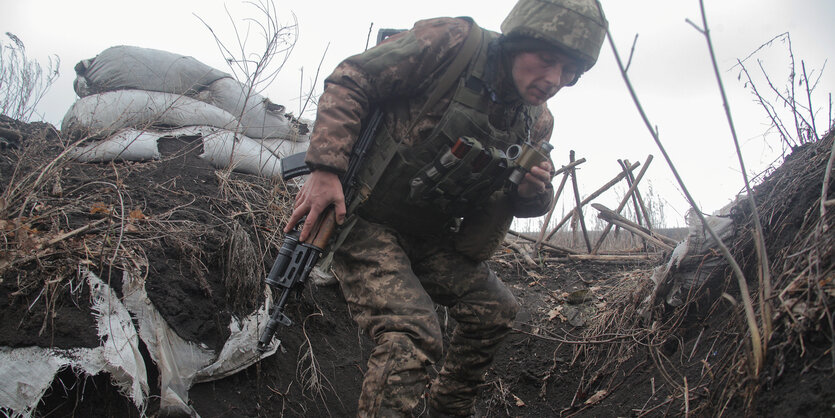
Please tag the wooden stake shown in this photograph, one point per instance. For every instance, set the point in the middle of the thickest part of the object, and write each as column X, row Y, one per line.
column 591, row 197
column 640, row 200
column 539, row 240
column 629, row 181
column 623, row 203
column 564, row 170
column 579, row 201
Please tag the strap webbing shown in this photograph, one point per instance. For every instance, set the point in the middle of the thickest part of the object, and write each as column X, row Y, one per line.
column 453, row 72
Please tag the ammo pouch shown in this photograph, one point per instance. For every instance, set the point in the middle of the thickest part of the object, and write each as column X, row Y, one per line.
column 482, row 231
column 460, row 177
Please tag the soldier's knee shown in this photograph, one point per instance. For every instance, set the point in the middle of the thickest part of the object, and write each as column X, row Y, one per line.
column 424, row 343
column 506, row 306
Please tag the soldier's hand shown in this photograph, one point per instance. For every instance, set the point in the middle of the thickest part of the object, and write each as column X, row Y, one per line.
column 320, row 190
column 535, row 181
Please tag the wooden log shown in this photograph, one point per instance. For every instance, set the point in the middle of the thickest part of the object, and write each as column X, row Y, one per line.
column 569, row 166
column 580, row 203
column 623, row 202
column 525, row 256
column 591, row 197
column 607, row 214
column 612, row 217
column 636, row 258
column 544, row 244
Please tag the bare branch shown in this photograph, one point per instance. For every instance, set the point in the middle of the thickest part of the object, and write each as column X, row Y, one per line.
column 755, row 339
column 809, row 98
column 632, row 52
column 759, row 238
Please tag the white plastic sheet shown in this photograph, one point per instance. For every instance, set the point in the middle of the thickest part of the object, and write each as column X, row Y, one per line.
column 26, row 373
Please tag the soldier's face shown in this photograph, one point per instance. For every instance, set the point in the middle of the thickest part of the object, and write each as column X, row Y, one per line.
column 539, row 75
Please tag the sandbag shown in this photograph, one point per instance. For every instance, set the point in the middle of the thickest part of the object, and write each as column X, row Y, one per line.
column 129, row 67
column 126, row 145
column 103, row 114
column 247, row 155
column 259, row 117
column 134, row 68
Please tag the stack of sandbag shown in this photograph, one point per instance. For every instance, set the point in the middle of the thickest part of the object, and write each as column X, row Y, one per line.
column 132, row 87
column 131, row 97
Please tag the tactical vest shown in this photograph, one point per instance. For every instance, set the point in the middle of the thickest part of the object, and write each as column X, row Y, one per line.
column 430, row 210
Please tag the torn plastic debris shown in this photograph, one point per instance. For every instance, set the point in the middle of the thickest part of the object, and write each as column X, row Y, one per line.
column 692, row 261
column 26, row 373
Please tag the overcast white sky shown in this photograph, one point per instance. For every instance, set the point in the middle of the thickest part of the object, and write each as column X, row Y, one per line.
column 671, row 70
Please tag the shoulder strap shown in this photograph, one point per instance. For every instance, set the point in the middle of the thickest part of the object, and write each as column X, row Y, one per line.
column 453, row 72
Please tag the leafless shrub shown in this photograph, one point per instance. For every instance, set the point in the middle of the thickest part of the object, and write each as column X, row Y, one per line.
column 254, row 66
column 23, row 82
column 791, row 112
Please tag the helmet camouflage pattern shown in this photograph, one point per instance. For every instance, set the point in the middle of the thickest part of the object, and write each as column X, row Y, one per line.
column 577, row 27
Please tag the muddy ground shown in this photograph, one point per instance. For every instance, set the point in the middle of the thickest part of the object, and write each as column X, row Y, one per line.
column 561, row 360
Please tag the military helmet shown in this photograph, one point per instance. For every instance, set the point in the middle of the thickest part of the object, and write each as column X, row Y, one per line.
column 576, row 27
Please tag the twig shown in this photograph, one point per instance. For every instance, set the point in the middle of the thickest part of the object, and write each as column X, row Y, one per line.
column 696, row 344
column 76, row 231
column 525, row 256
column 641, row 204
column 368, row 37
column 631, row 52
column 315, row 80
column 775, row 120
column 579, row 209
column 809, row 98
column 825, row 187
column 636, row 258
column 759, row 237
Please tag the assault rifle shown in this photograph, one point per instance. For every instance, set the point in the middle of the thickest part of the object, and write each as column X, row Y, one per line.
column 296, row 259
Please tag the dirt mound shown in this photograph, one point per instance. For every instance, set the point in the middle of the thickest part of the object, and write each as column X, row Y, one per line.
column 204, row 239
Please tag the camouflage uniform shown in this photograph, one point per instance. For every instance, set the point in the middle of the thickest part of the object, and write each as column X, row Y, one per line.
column 391, row 273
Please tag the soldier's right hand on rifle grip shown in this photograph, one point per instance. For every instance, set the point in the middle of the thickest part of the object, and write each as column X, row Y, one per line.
column 321, row 189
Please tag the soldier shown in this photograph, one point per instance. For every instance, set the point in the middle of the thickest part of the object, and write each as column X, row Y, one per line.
column 442, row 202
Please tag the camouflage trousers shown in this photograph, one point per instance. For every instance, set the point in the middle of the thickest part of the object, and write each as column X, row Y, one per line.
column 390, row 282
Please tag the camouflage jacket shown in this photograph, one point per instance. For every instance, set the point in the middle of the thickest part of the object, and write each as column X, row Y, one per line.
column 401, row 70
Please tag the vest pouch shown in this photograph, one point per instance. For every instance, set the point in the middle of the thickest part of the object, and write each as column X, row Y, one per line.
column 482, row 231
column 442, row 181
